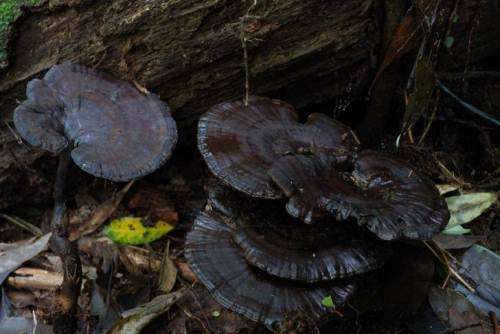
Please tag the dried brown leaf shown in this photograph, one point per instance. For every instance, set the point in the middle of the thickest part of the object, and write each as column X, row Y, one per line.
column 420, row 98
column 168, row 272
column 136, row 319
column 14, row 257
column 100, row 214
column 404, row 36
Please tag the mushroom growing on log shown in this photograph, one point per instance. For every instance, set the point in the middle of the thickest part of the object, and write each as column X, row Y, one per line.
column 240, row 143
column 252, row 256
column 219, row 264
column 108, row 128
column 283, row 247
column 392, row 199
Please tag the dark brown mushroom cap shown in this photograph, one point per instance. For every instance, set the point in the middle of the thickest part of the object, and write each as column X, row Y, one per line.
column 233, row 203
column 219, row 265
column 240, row 143
column 284, row 247
column 39, row 119
column 118, row 132
column 307, row 253
column 305, row 180
column 392, row 199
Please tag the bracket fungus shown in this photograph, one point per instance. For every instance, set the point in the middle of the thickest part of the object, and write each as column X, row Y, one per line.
column 264, row 262
column 108, row 128
column 305, row 254
column 392, row 199
column 112, row 129
column 219, row 265
column 305, row 180
column 283, row 247
column 385, row 194
column 240, row 143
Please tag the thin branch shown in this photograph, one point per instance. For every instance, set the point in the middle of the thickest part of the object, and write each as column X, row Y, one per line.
column 467, row 105
column 479, row 75
column 244, row 40
column 431, row 120
column 444, row 261
column 23, row 224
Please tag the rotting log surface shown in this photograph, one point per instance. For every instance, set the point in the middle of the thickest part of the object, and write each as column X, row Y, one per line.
column 189, row 52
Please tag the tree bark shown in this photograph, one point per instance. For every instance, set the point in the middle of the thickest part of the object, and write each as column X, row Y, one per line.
column 189, row 52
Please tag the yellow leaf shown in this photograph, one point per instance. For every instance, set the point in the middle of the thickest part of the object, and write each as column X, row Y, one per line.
column 132, row 231
column 446, row 188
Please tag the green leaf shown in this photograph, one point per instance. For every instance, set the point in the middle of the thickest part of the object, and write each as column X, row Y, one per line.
column 132, row 231
column 456, row 230
column 328, row 302
column 465, row 208
column 448, row 42
column 10, row 10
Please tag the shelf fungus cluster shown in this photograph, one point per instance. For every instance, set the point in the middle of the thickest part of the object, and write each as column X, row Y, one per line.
column 299, row 210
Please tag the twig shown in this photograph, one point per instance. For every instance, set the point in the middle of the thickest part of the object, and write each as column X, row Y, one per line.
column 446, row 280
column 35, row 322
column 244, row 40
column 467, row 105
column 431, row 120
column 23, row 224
column 449, row 268
column 19, row 140
column 493, row 318
column 35, row 279
column 485, row 75
column 475, row 23
column 410, row 135
column 450, row 174
column 192, row 316
column 356, row 139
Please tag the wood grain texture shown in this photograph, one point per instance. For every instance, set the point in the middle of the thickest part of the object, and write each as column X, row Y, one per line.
column 189, row 52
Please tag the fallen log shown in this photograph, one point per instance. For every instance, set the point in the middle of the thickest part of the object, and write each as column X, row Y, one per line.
column 190, row 53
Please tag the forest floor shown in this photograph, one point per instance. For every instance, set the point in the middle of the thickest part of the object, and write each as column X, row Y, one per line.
column 420, row 290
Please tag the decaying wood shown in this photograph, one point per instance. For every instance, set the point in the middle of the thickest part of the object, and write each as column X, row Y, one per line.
column 189, row 52
column 33, row 278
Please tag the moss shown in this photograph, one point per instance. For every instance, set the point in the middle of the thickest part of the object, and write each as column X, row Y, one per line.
column 9, row 11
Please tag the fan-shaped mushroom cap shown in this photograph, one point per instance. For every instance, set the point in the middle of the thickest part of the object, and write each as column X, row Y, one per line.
column 407, row 204
column 276, row 243
column 391, row 198
column 240, row 143
column 305, row 180
column 307, row 253
column 118, row 132
column 233, row 203
column 219, row 265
